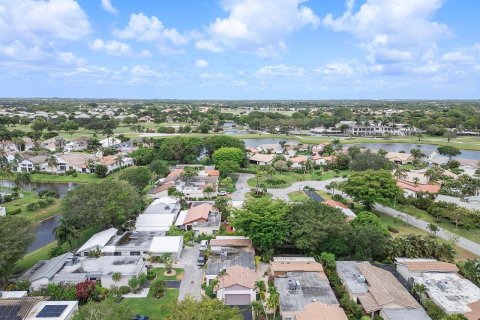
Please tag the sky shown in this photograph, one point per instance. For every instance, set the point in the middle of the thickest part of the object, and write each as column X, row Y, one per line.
column 240, row 49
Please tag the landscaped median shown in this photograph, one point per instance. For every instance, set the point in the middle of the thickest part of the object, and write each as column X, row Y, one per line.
column 281, row 180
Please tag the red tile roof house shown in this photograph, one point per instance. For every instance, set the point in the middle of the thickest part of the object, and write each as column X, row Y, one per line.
column 236, row 286
column 345, row 209
column 201, row 219
column 411, row 189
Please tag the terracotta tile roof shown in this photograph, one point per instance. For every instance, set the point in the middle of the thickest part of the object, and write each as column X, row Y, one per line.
column 475, row 313
column 321, row 311
column 237, row 275
column 213, row 172
column 262, row 157
column 173, row 175
column 108, row 160
column 430, row 188
column 231, row 242
column 383, row 289
column 392, row 156
column 197, row 213
column 298, row 159
column 431, row 266
column 295, row 266
column 333, row 203
column 162, row 187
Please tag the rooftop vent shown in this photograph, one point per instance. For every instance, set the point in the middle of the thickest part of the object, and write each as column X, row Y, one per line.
column 134, row 235
column 292, row 285
column 360, row 278
column 224, row 255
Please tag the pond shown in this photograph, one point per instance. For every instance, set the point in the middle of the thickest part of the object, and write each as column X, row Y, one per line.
column 426, row 148
column 44, row 229
column 252, row 143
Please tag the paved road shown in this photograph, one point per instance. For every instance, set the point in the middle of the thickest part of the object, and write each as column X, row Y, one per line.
column 442, row 233
column 193, row 275
column 298, row 186
column 242, row 186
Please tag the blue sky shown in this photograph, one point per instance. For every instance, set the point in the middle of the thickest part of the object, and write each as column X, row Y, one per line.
column 240, row 49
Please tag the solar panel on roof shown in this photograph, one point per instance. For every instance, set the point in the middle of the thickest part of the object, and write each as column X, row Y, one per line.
column 52, row 311
column 9, row 313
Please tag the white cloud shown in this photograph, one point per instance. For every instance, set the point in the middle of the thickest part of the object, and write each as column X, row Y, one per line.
column 281, row 71
column 107, row 5
column 42, row 20
column 392, row 31
column 214, row 76
column 256, row 26
column 143, row 28
column 201, row 63
column 335, row 70
column 114, row 47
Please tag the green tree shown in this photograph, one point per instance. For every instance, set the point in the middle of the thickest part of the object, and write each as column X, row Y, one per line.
column 107, row 309
column 159, row 167
column 369, row 187
column 23, row 178
column 143, row 156
column 368, row 218
column 369, row 160
column 214, row 143
column 228, row 167
column 66, row 232
column 70, row 127
column 264, row 221
column 448, row 151
column 116, row 276
column 108, row 203
column 369, row 242
column 17, row 234
column 433, row 228
column 205, row 309
column 157, row 288
column 101, row 170
column 138, row 177
column 228, row 154
column 52, row 163
column 316, row 228
column 449, row 135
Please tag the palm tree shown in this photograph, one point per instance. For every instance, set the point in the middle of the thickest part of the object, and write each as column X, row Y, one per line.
column 116, row 276
column 418, row 290
column 6, row 172
column 119, row 160
column 66, row 232
column 52, row 162
column 399, row 174
column 273, row 300
column 416, row 180
column 208, row 191
column 168, row 264
column 23, row 178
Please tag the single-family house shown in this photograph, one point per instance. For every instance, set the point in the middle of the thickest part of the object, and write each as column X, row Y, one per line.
column 31, row 163
column 130, row 243
column 234, row 242
column 470, row 203
column 375, row 288
column 453, row 294
column 469, row 167
column 97, row 242
column 78, row 144
column 170, row 245
column 109, row 142
column 80, row 162
column 298, row 162
column 202, row 218
column 342, row 206
column 299, row 289
column 399, row 158
column 44, row 270
column 280, row 266
column 236, row 286
column 113, row 162
column 261, row 159
column 154, row 222
column 270, row 148
column 161, row 190
column 412, row 189
column 409, row 268
column 52, row 143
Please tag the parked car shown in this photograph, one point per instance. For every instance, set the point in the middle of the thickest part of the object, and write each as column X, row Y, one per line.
column 201, row 260
column 222, row 193
column 203, row 245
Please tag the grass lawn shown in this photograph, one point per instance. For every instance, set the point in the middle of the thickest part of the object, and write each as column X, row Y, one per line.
column 471, row 234
column 267, row 195
column 155, row 309
column 37, row 214
column 297, row 196
column 160, row 274
column 291, row 177
column 80, row 178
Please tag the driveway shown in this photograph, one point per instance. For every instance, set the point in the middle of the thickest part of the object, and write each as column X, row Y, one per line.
column 298, row 186
column 242, row 186
column 193, row 276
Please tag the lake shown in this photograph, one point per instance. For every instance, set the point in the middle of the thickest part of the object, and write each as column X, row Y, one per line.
column 252, row 143
column 44, row 229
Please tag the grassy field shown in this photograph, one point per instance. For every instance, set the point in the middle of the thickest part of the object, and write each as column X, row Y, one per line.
column 37, row 214
column 160, row 273
column 297, row 196
column 292, row 177
column 471, row 234
column 156, row 309
column 80, row 178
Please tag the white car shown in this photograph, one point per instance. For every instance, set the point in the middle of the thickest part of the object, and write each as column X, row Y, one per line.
column 222, row 193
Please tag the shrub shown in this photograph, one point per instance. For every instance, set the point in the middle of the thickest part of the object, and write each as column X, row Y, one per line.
column 13, row 212
column 70, row 172
column 31, row 206
column 157, row 287
column 433, row 310
column 47, row 193
column 124, row 289
column 42, row 204
column 7, row 198
column 75, row 174
column 57, row 251
column 392, row 229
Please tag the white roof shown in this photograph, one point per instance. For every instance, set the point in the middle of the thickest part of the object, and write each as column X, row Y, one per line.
column 449, row 291
column 348, row 212
column 98, row 240
column 166, row 244
column 71, row 306
column 154, row 222
column 164, row 200
column 13, row 294
column 181, row 218
column 459, row 202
